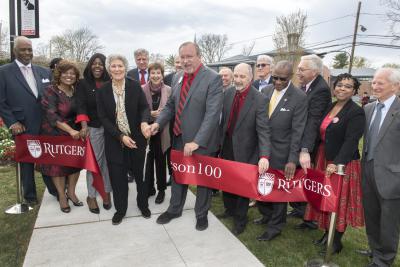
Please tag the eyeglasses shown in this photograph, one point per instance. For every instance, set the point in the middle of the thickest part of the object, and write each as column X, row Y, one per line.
column 302, row 70
column 347, row 86
column 262, row 65
column 282, row 79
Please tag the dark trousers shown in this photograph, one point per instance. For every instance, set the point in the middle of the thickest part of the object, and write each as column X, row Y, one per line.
column 156, row 156
column 179, row 192
column 235, row 205
column 28, row 182
column 275, row 212
column 382, row 219
column 299, row 207
column 134, row 160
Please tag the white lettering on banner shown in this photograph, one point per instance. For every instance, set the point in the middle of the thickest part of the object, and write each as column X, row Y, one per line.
column 207, row 170
column 63, row 149
column 318, row 188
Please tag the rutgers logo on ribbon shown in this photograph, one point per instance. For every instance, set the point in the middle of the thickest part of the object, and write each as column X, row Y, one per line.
column 34, row 147
column 265, row 183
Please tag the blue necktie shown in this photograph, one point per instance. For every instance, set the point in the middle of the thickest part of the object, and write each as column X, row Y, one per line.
column 372, row 137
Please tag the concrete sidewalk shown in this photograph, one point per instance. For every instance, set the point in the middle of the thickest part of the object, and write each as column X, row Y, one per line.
column 81, row 238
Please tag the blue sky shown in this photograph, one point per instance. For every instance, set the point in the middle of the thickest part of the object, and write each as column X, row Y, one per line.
column 160, row 26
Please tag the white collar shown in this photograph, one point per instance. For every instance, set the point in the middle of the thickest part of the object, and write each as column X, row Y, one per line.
column 22, row 65
column 388, row 102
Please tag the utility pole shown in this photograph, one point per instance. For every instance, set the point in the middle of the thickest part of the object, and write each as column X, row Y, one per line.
column 12, row 27
column 354, row 37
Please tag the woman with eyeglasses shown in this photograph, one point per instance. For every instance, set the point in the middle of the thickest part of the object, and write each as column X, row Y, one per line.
column 340, row 132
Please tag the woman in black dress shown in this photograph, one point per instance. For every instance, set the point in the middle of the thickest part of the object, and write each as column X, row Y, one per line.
column 59, row 113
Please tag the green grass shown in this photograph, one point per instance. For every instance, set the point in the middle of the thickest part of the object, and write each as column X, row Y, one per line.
column 294, row 247
column 15, row 230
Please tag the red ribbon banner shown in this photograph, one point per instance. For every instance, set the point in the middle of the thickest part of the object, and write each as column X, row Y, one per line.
column 243, row 179
column 59, row 150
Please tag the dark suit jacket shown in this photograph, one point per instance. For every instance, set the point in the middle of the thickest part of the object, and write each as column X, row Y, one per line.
column 319, row 98
column 137, row 111
column 17, row 101
column 134, row 74
column 342, row 137
column 386, row 154
column 201, row 111
column 250, row 138
column 256, row 83
column 287, row 125
column 168, row 78
column 86, row 101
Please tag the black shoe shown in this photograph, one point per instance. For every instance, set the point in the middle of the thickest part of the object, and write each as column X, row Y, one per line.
column 262, row 220
column 306, row 225
column 77, row 203
column 107, row 202
column 202, row 223
column 92, row 204
column 160, row 197
column 215, row 193
column 152, row 192
column 238, row 229
column 146, row 213
column 322, row 241
column 364, row 252
column 224, row 215
column 336, row 249
column 166, row 217
column 66, row 209
column 295, row 214
column 31, row 202
column 337, row 245
column 117, row 218
column 267, row 236
column 372, row 264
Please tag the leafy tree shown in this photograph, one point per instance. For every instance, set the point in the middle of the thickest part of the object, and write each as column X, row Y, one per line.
column 361, row 62
column 170, row 61
column 391, row 65
column 341, row 61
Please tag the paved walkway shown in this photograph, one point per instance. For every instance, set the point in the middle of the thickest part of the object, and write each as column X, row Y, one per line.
column 81, row 238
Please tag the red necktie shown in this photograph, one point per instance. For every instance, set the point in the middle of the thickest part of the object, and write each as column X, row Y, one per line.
column 142, row 79
column 234, row 114
column 182, row 100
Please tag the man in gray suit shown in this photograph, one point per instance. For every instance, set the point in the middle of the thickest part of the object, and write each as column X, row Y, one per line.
column 245, row 137
column 196, row 104
column 381, row 168
column 21, row 87
column 287, row 110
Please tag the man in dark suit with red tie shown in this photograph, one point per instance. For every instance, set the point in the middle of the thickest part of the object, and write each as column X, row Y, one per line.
column 140, row 73
column 319, row 98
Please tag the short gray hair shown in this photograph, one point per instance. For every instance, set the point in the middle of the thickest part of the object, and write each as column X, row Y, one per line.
column 113, row 57
column 196, row 46
column 269, row 59
column 394, row 74
column 315, row 62
column 21, row 39
column 285, row 65
column 141, row 51
column 249, row 69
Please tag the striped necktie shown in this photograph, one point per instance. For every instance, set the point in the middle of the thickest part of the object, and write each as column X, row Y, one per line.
column 184, row 92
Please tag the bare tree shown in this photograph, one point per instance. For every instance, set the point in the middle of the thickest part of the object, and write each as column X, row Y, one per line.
column 77, row 45
column 289, row 35
column 156, row 58
column 361, row 62
column 213, row 46
column 247, row 49
column 42, row 49
column 393, row 16
column 4, row 42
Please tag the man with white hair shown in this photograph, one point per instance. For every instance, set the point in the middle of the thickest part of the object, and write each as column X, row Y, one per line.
column 140, row 73
column 245, row 137
column 318, row 97
column 264, row 67
column 381, row 168
column 227, row 77
column 21, row 87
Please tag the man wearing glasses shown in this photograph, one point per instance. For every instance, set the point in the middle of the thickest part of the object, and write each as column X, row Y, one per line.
column 264, row 67
column 287, row 111
column 319, row 98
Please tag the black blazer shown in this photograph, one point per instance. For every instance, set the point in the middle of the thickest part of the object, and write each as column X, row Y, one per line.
column 137, row 111
column 134, row 75
column 342, row 137
column 319, row 98
column 86, row 99
column 168, row 78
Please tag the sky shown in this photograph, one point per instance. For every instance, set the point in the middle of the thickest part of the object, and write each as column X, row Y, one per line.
column 161, row 26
